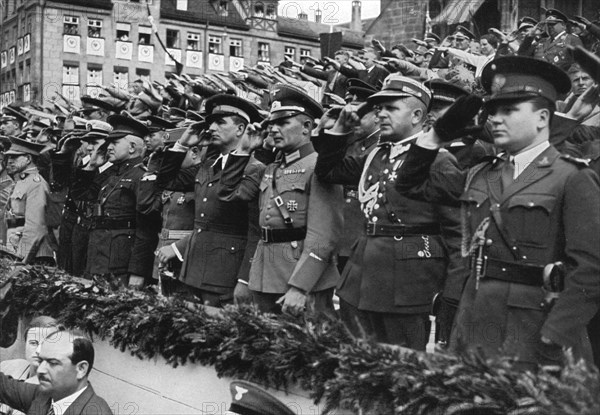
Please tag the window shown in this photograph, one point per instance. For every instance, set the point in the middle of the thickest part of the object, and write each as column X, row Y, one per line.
column 172, row 38
column 27, row 70
column 70, row 74
column 214, row 44
column 71, row 25
column 123, row 30
column 94, row 28
column 271, row 12
column 144, row 35
column 235, row 47
column 264, row 54
column 121, row 77
column 290, row 52
column 304, row 52
column 143, row 74
column 222, row 9
column 94, row 75
column 259, row 10
column 193, row 41
column 182, row 4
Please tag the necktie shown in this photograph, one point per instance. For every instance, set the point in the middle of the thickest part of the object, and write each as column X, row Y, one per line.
column 508, row 173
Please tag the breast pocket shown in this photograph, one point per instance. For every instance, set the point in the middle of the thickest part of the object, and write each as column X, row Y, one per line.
column 529, row 217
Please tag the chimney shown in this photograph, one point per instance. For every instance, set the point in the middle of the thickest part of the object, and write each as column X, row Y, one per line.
column 356, row 22
column 318, row 15
column 302, row 16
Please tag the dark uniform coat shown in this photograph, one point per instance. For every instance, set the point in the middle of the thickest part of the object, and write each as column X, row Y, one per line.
column 25, row 215
column 555, row 50
column 113, row 234
column 214, row 252
column 336, row 82
column 29, row 399
column 549, row 213
column 388, row 274
column 6, row 186
column 308, row 263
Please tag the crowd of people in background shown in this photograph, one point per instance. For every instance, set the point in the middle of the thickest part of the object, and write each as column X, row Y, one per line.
column 387, row 191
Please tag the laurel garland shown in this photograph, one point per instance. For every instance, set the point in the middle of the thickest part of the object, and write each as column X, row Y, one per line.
column 317, row 354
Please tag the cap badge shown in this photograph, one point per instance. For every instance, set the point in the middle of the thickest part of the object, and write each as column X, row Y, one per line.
column 239, row 392
column 275, row 105
column 497, row 83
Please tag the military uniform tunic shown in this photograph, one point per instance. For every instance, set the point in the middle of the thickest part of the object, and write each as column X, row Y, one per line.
column 113, row 234
column 25, row 215
column 214, row 252
column 307, row 263
column 555, row 50
column 549, row 213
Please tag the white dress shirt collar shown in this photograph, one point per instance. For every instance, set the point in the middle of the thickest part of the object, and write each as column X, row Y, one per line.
column 525, row 158
column 61, row 406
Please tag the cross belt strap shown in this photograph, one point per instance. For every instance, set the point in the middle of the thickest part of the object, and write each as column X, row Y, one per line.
column 373, row 229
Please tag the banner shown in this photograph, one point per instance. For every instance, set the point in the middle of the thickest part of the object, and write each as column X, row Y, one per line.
column 146, row 53
column 95, row 46
column 236, row 64
column 216, row 62
column 193, row 59
column 71, row 43
column 124, row 50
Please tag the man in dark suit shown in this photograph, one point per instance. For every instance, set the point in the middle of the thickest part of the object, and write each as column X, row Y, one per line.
column 336, row 82
column 66, row 359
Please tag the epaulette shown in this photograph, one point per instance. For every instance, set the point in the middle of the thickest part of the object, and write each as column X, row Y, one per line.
column 576, row 160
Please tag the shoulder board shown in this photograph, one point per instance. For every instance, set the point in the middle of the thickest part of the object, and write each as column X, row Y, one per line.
column 576, row 160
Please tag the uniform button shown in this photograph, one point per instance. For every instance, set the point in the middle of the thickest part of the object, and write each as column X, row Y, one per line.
column 233, row 248
column 210, row 185
column 376, row 206
column 386, row 171
column 348, row 200
column 199, row 230
column 524, row 257
column 488, row 242
column 374, row 219
column 362, row 149
column 392, row 160
column 202, row 215
column 514, row 248
column 380, row 195
column 530, row 204
column 370, row 177
column 503, row 269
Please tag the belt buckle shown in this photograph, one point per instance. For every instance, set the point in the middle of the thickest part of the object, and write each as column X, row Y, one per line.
column 371, row 228
column 264, row 233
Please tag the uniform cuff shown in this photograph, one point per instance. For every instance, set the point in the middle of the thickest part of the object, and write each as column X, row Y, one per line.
column 176, row 250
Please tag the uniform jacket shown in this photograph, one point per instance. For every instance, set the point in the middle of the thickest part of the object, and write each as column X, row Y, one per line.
column 31, row 400
column 113, row 250
column 550, row 213
column 28, row 201
column 307, row 264
column 353, row 215
column 385, row 273
column 555, row 50
column 214, row 252
column 6, row 186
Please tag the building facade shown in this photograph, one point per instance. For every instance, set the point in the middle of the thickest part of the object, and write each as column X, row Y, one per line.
column 72, row 46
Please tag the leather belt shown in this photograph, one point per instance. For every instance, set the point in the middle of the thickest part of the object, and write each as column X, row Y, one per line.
column 374, row 229
column 106, row 223
column 221, row 228
column 517, row 273
column 174, row 233
column 269, row 235
column 15, row 222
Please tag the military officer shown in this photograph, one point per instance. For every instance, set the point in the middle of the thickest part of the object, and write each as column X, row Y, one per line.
column 6, row 185
column 530, row 221
column 213, row 254
column 96, row 108
column 554, row 49
column 249, row 399
column 401, row 259
column 114, row 247
column 365, row 137
column 300, row 217
column 11, row 122
column 81, row 196
column 24, row 216
column 155, row 141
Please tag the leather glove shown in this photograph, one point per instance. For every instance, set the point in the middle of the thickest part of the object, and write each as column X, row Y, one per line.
column 455, row 122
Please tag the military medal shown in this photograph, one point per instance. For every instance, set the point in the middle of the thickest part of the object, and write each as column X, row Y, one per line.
column 291, row 205
column 181, row 200
column 392, row 176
